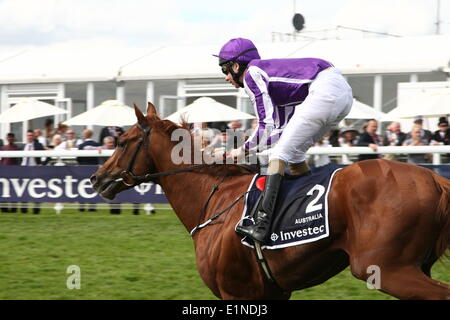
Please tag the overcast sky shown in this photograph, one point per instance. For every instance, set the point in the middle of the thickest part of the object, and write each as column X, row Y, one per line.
column 141, row 23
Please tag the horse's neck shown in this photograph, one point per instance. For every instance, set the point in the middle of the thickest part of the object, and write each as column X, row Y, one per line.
column 183, row 190
column 188, row 194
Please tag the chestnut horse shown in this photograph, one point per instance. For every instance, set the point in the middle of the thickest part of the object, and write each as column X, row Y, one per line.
column 387, row 214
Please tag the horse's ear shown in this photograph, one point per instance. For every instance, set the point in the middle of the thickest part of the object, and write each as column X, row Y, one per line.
column 151, row 110
column 142, row 120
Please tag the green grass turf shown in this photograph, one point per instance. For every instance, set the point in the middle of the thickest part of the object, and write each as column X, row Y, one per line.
column 121, row 257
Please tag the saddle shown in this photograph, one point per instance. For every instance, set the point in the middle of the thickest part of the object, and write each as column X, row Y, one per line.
column 301, row 212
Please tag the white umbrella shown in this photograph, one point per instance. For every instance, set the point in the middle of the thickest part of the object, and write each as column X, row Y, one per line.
column 27, row 109
column 208, row 110
column 363, row 111
column 109, row 113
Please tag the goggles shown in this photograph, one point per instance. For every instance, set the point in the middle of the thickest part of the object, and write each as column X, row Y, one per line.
column 226, row 67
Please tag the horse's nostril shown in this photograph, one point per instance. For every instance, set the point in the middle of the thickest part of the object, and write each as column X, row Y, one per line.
column 93, row 179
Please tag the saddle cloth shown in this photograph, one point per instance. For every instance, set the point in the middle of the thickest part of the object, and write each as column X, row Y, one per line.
column 301, row 212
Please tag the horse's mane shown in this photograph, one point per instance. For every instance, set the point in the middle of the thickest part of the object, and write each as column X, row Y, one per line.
column 169, row 127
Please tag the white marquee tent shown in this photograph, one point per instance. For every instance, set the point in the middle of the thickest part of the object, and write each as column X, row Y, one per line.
column 102, row 62
column 363, row 111
column 430, row 99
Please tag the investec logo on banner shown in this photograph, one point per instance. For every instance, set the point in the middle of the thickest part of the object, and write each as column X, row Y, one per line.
column 56, row 188
column 143, row 188
column 65, row 184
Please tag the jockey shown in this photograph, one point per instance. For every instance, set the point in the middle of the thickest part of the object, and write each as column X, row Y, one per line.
column 296, row 102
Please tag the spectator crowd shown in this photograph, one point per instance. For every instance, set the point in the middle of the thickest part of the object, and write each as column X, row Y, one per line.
column 394, row 136
column 214, row 137
column 61, row 138
column 368, row 136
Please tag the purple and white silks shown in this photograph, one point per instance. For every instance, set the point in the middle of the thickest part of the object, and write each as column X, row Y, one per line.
column 276, row 87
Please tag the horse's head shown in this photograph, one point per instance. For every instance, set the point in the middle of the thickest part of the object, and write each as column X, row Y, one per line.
column 132, row 157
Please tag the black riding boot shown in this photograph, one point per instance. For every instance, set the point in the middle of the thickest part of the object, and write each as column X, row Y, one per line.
column 260, row 229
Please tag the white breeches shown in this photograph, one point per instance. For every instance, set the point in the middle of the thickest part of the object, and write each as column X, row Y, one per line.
column 329, row 100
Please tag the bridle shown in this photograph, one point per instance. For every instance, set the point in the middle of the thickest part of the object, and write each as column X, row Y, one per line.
column 129, row 179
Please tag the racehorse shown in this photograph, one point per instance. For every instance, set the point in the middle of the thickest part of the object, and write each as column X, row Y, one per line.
column 388, row 214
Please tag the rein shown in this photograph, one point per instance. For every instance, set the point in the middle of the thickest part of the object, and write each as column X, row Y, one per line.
column 148, row 177
column 129, row 179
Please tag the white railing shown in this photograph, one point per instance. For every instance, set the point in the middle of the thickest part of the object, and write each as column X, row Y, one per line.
column 435, row 150
column 56, row 153
column 382, row 150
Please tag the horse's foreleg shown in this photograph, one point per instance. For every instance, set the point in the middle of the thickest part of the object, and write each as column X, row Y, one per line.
column 402, row 282
column 411, row 283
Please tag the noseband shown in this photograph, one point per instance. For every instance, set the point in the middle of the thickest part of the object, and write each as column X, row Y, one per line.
column 127, row 176
column 129, row 179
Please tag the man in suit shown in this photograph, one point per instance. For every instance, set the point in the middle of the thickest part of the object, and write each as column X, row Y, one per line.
column 369, row 139
column 32, row 144
column 88, row 144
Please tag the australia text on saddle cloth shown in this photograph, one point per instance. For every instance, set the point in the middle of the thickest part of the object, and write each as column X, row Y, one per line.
column 190, row 150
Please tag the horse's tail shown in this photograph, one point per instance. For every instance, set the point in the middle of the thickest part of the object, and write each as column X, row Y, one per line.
column 443, row 242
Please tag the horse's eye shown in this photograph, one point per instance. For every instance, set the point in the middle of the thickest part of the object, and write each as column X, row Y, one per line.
column 120, row 144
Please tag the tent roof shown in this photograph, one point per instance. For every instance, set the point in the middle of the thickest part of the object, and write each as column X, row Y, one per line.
column 360, row 110
column 60, row 63
column 95, row 62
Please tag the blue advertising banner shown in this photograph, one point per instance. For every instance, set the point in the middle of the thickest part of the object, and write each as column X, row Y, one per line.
column 443, row 170
column 71, row 184
column 65, row 184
